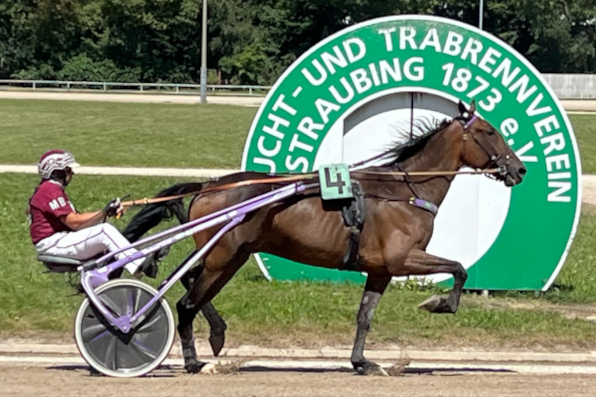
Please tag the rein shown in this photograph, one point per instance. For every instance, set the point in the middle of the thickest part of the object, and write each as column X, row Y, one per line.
column 429, row 173
column 300, row 177
column 145, row 201
column 311, row 175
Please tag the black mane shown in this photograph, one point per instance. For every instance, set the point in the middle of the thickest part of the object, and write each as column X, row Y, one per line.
column 423, row 130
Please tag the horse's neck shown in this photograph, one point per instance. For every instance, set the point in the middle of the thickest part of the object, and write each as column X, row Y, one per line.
column 441, row 153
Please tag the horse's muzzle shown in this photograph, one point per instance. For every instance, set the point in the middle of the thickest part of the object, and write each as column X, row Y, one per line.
column 514, row 175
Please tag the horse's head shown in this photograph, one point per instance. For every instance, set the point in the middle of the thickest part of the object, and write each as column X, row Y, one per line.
column 484, row 147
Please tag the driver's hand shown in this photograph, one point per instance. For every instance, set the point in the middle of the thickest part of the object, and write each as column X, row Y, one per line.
column 113, row 208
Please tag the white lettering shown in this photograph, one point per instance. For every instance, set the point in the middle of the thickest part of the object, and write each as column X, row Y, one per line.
column 349, row 92
column 281, row 104
column 533, row 111
column 268, row 152
column 555, row 142
column 453, row 44
column 375, row 75
column 292, row 166
column 559, row 175
column 488, row 59
column 545, row 124
column 556, row 196
column 407, row 34
column 307, row 126
column 268, row 162
column 431, row 40
column 418, row 74
column 505, row 69
column 509, row 126
column 300, row 145
column 473, row 48
column 386, row 69
column 388, row 38
column 320, row 69
column 560, row 161
column 361, row 80
column 277, row 121
column 329, row 60
column 324, row 108
column 521, row 153
column 522, row 85
column 353, row 57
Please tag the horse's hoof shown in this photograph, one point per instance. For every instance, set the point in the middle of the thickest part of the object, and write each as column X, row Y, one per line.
column 217, row 343
column 430, row 304
column 193, row 366
column 94, row 372
column 437, row 304
column 369, row 368
column 209, row 369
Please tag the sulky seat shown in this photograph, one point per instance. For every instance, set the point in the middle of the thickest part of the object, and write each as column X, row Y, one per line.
column 59, row 264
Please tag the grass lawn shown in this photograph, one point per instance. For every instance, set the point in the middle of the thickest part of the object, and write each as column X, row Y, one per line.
column 155, row 135
column 584, row 127
column 125, row 134
column 34, row 303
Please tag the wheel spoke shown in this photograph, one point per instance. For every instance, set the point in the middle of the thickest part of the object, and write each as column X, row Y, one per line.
column 94, row 333
column 140, row 347
column 111, row 305
column 110, row 355
column 148, row 326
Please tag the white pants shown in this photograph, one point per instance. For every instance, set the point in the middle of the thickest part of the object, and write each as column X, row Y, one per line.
column 86, row 243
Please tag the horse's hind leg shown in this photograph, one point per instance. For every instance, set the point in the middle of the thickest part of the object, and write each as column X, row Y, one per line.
column 186, row 315
column 373, row 291
column 217, row 325
column 419, row 262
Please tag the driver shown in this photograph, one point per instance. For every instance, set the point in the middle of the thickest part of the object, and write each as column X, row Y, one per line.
column 55, row 226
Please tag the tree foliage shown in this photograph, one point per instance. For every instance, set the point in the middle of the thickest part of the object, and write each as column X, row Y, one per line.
column 253, row 41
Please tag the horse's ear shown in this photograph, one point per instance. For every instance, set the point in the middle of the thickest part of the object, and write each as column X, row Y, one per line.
column 462, row 107
column 473, row 106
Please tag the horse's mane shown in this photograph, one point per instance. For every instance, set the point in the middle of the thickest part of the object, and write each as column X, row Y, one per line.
column 423, row 129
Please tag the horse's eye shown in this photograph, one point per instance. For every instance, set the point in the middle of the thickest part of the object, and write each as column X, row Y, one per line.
column 491, row 132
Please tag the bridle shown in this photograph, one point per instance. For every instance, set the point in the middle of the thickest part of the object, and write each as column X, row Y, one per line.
column 502, row 169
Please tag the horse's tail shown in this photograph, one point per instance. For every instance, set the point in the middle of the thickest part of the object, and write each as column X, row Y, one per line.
column 152, row 214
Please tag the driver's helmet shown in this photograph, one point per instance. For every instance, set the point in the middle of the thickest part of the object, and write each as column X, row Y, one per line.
column 55, row 160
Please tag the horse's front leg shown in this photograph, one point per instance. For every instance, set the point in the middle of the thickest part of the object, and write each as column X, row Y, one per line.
column 373, row 291
column 419, row 262
column 217, row 325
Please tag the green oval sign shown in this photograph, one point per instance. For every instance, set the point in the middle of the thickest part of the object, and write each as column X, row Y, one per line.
column 341, row 101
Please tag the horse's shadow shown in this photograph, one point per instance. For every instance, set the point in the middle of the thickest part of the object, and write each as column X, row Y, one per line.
column 163, row 371
column 169, row 371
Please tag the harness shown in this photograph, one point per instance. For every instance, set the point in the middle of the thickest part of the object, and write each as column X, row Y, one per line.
column 353, row 214
column 352, row 209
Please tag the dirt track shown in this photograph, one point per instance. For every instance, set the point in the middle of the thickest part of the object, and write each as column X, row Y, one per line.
column 75, row 381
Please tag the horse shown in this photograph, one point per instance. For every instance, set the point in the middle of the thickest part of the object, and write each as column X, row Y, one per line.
column 398, row 212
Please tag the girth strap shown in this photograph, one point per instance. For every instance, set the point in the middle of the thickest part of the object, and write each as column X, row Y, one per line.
column 425, row 205
column 353, row 214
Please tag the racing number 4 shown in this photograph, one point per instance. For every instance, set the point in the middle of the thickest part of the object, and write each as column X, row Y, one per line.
column 339, row 183
column 335, row 182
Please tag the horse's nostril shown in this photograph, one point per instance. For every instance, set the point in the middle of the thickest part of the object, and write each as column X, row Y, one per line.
column 522, row 171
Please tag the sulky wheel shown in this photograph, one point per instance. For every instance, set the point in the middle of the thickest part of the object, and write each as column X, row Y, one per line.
column 114, row 353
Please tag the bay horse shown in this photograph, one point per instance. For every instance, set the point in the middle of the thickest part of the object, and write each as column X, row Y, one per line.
column 303, row 228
